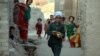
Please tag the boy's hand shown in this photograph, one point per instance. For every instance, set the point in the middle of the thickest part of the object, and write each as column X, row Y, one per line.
column 54, row 32
column 59, row 34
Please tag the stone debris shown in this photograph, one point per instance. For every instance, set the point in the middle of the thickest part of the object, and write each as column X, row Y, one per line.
column 17, row 49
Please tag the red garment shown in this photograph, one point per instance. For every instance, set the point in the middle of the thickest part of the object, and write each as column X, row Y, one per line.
column 46, row 27
column 72, row 41
column 22, row 24
column 39, row 28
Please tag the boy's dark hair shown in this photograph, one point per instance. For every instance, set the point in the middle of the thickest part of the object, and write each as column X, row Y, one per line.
column 63, row 18
column 72, row 18
column 49, row 22
column 10, row 33
column 51, row 15
column 16, row 1
column 11, row 27
column 39, row 19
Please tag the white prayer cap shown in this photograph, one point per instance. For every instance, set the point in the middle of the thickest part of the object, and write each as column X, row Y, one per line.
column 58, row 13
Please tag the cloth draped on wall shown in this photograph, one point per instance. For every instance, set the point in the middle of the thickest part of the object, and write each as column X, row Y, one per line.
column 23, row 18
column 73, row 35
column 70, row 29
column 27, row 13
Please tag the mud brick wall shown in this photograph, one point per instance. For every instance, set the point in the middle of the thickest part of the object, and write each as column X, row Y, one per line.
column 3, row 28
column 89, row 19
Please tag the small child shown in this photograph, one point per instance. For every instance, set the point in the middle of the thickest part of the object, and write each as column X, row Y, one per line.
column 38, row 27
column 11, row 32
column 46, row 27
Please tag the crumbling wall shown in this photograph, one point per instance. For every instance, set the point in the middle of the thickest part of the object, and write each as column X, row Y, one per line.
column 3, row 28
column 89, row 19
